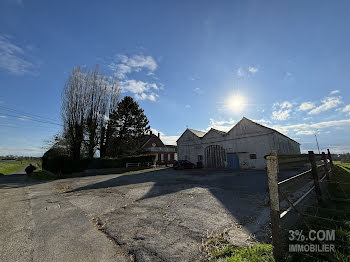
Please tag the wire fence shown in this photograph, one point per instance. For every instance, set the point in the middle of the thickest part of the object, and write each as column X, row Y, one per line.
column 302, row 198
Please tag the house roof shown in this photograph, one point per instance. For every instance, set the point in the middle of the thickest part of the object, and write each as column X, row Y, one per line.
column 146, row 138
column 201, row 134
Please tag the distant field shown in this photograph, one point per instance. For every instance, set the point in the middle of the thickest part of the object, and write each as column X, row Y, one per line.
column 8, row 167
column 345, row 166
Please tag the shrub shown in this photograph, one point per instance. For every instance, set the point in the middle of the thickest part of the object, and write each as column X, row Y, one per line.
column 139, row 159
column 66, row 165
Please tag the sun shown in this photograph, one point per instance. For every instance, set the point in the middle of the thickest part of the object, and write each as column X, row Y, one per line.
column 236, row 103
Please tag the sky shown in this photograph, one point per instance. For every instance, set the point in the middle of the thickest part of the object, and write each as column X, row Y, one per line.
column 189, row 64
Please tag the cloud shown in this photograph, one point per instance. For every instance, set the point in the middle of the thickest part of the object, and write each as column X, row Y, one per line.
column 187, row 106
column 194, row 78
column 142, row 90
column 222, row 125
column 13, row 58
column 282, row 110
column 144, row 96
column 262, row 121
column 305, row 132
column 136, row 63
column 167, row 140
column 289, row 74
column 338, row 149
column 347, row 109
column 250, row 71
column 327, row 103
column 335, row 92
column 240, row 72
column 306, row 106
column 253, row 70
column 197, row 90
column 134, row 86
column 308, row 129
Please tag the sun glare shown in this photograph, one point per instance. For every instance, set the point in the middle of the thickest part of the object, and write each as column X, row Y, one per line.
column 236, row 103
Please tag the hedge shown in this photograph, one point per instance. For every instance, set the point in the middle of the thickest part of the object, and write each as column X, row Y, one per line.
column 67, row 165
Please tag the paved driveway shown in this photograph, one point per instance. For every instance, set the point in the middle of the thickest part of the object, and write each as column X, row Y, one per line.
column 38, row 224
column 165, row 215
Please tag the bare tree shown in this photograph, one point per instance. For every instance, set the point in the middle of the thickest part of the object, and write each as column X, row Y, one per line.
column 110, row 103
column 87, row 100
column 73, row 111
column 103, row 93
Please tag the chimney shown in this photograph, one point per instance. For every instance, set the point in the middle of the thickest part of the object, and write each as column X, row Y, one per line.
column 158, row 135
column 150, row 132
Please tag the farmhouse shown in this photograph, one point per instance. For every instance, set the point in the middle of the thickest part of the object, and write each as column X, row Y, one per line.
column 244, row 146
column 152, row 144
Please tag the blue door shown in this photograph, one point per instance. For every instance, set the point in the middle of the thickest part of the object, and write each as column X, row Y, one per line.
column 232, row 161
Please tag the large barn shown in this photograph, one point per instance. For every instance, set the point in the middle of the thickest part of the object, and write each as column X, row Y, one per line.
column 244, row 146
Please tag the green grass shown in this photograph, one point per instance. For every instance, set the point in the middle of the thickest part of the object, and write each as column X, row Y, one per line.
column 8, row 167
column 338, row 213
column 345, row 166
column 218, row 248
column 254, row 253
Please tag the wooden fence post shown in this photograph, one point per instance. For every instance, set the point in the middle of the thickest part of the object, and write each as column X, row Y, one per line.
column 330, row 161
column 315, row 176
column 324, row 158
column 272, row 172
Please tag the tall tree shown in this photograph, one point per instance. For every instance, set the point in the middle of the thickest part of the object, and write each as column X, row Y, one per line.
column 87, row 99
column 73, row 110
column 126, row 126
column 103, row 93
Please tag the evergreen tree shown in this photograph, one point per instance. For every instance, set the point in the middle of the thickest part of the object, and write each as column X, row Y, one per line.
column 126, row 125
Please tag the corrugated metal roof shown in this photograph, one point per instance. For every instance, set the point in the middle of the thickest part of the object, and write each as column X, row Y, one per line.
column 197, row 133
column 200, row 134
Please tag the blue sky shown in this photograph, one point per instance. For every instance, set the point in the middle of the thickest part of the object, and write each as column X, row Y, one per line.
column 186, row 62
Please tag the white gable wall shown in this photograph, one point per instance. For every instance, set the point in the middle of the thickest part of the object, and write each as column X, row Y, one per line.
column 244, row 139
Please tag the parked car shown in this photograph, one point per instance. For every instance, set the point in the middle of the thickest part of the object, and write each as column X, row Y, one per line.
column 183, row 164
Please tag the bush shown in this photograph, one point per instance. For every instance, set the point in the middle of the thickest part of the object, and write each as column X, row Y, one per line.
column 66, row 165
column 139, row 159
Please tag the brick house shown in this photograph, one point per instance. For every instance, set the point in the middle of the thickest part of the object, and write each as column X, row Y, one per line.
column 164, row 153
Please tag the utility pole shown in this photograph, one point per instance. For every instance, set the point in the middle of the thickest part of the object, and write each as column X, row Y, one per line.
column 319, row 152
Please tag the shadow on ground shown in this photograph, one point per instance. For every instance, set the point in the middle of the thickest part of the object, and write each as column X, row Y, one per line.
column 17, row 180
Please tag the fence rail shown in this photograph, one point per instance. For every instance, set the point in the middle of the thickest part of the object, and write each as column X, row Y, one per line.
column 291, row 191
column 148, row 164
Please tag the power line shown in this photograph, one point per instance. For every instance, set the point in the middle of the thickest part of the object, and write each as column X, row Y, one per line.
column 30, row 115
column 31, row 119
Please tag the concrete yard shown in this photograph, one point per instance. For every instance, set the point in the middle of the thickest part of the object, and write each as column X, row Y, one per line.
column 166, row 215
column 150, row 215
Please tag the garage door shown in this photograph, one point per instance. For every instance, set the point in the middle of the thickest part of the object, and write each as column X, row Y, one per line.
column 232, row 160
column 215, row 156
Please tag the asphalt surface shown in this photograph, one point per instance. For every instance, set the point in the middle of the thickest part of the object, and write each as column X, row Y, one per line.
column 38, row 224
column 166, row 215
column 159, row 215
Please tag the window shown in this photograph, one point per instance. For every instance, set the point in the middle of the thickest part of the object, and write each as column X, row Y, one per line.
column 252, row 156
column 200, row 158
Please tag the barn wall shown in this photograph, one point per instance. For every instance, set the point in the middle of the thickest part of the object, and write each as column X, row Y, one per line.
column 245, row 139
column 285, row 146
column 258, row 144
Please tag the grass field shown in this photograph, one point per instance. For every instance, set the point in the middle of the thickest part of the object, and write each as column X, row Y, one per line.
column 332, row 215
column 8, row 167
